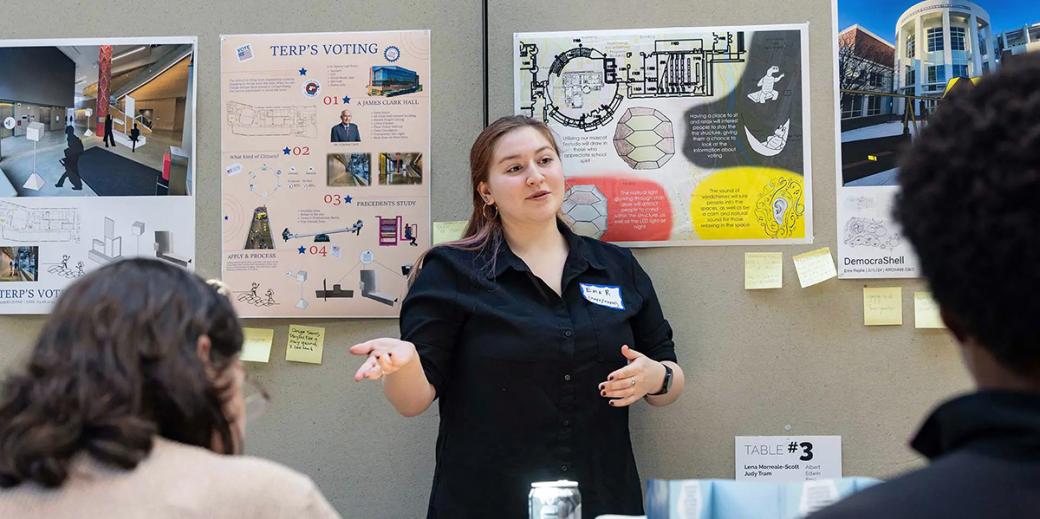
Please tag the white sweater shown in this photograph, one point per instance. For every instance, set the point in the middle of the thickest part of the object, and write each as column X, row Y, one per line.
column 175, row 480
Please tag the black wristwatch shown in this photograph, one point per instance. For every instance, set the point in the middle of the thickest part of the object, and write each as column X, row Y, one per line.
column 666, row 384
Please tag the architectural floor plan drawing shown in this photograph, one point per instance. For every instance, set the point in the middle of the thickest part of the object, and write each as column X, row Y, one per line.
column 583, row 87
column 246, row 120
column 40, row 224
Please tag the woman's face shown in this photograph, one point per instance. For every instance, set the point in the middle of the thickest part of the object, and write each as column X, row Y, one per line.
column 525, row 178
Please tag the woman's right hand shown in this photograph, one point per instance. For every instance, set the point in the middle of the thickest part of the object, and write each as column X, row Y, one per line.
column 385, row 356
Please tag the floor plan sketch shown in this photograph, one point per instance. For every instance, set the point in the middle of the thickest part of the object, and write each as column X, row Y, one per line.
column 44, row 224
column 264, row 121
column 584, row 86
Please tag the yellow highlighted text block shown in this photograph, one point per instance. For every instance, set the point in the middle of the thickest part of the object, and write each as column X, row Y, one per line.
column 749, row 203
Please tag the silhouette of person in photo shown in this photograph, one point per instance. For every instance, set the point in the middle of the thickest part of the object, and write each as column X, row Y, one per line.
column 135, row 134
column 345, row 131
column 108, row 131
column 71, row 160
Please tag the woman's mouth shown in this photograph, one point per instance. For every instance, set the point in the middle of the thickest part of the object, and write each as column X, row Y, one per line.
column 541, row 195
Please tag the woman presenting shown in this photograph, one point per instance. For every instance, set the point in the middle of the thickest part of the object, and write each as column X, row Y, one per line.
column 535, row 341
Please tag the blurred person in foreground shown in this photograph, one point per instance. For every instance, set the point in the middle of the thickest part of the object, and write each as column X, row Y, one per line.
column 970, row 205
column 133, row 404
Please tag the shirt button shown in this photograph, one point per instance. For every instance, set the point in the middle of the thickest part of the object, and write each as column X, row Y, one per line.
column 567, row 333
column 567, row 377
column 564, row 468
column 566, row 423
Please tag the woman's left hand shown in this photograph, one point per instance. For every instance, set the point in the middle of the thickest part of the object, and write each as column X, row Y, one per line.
column 641, row 376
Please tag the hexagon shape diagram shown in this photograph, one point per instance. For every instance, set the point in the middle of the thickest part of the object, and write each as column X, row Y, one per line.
column 644, row 138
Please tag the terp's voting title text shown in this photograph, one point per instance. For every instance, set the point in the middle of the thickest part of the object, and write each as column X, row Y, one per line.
column 332, row 49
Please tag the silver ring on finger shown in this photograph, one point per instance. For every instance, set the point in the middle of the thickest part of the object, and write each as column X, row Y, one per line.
column 633, row 384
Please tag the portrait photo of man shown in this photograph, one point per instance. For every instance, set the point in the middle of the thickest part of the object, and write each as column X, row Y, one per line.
column 345, row 131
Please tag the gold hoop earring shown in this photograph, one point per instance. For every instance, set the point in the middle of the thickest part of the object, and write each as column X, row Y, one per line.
column 483, row 211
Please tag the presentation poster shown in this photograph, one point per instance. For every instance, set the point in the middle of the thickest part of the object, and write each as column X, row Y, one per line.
column 894, row 63
column 680, row 136
column 325, row 156
column 96, row 160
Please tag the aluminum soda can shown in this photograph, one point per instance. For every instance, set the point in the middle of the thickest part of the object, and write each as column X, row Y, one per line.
column 554, row 500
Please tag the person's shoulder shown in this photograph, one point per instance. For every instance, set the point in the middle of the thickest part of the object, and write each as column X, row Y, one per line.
column 968, row 483
column 254, row 469
column 610, row 255
column 246, row 482
column 446, row 254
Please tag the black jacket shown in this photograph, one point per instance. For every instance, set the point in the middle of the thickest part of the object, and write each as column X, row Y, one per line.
column 985, row 462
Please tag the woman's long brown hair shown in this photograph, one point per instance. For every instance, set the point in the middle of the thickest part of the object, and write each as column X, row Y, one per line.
column 115, row 365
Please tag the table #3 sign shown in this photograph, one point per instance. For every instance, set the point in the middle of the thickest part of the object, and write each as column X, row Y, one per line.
column 787, row 458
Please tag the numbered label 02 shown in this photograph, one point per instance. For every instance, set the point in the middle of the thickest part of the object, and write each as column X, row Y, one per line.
column 787, row 458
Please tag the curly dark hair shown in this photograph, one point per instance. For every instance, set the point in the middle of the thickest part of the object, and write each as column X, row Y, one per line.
column 116, row 364
column 970, row 205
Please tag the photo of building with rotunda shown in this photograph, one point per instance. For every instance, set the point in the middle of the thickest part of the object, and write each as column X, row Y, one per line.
column 896, row 60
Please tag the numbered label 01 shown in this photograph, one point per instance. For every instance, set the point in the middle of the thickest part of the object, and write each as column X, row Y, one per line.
column 787, row 458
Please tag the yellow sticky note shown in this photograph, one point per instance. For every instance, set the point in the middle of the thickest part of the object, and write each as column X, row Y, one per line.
column 926, row 311
column 257, row 344
column 763, row 270
column 814, row 266
column 448, row 231
column 882, row 306
column 306, row 344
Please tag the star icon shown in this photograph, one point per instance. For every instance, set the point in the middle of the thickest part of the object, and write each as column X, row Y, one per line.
column 285, row 150
column 346, row 100
column 303, row 71
column 348, row 199
column 302, row 249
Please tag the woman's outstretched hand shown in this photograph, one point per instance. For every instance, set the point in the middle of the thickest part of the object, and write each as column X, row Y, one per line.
column 385, row 356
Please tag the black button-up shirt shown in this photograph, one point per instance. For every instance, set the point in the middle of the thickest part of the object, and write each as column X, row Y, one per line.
column 516, row 368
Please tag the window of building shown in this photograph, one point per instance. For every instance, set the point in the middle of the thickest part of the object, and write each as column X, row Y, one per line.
column 937, row 73
column 850, row 106
column 911, row 77
column 873, row 105
column 935, row 39
column 874, row 79
column 911, row 42
column 960, row 70
column 982, row 45
column 957, row 38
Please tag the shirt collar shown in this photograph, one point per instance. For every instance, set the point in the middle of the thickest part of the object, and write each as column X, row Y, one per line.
column 579, row 257
column 998, row 422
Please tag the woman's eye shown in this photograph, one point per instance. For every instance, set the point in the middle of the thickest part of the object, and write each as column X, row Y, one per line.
column 513, row 169
column 546, row 160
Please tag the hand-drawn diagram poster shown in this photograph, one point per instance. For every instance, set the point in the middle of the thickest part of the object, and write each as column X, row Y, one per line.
column 682, row 136
column 325, row 149
column 96, row 164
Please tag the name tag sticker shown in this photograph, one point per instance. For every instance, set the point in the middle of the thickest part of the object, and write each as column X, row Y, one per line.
column 603, row 295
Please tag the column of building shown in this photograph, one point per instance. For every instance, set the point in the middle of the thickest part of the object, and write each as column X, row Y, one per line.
column 976, row 55
column 104, row 78
column 947, row 48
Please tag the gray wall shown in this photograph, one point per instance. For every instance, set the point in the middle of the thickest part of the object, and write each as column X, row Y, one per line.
column 41, row 75
column 755, row 361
